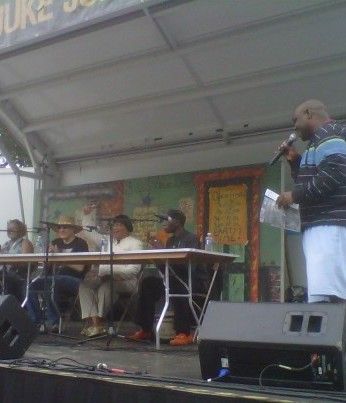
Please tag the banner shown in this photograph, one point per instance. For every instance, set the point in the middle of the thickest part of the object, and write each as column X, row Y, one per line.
column 27, row 21
column 228, row 214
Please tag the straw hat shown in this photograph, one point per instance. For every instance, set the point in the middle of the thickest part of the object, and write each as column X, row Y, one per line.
column 67, row 221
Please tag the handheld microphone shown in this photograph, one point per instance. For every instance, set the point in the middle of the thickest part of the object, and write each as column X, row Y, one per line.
column 288, row 142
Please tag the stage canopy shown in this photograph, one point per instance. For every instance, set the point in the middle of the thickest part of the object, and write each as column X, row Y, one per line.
column 88, row 79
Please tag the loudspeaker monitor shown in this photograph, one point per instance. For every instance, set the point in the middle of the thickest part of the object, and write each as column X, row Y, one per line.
column 16, row 329
column 297, row 345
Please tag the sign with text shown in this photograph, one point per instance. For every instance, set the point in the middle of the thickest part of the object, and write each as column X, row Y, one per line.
column 228, row 214
column 25, row 21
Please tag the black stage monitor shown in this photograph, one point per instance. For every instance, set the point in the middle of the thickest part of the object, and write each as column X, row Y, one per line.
column 295, row 345
column 16, row 329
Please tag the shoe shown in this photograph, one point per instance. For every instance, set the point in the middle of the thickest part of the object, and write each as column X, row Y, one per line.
column 95, row 331
column 140, row 335
column 182, row 339
column 54, row 329
column 42, row 329
column 85, row 330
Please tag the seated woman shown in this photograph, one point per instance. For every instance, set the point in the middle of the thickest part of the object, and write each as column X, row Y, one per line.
column 67, row 277
column 95, row 294
column 15, row 274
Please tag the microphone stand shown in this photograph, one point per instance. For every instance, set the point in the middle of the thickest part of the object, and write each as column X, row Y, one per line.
column 111, row 333
column 43, row 324
column 48, row 292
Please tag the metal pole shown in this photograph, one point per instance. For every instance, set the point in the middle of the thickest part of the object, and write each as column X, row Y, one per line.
column 282, row 237
column 20, row 194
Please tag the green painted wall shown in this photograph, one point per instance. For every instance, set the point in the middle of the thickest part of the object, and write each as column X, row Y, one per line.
column 161, row 193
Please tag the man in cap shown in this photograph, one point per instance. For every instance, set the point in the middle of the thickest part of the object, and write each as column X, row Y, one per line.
column 152, row 288
column 95, row 295
column 67, row 277
column 320, row 191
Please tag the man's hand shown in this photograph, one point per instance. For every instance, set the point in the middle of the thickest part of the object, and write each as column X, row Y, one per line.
column 53, row 249
column 284, row 200
column 290, row 152
column 154, row 243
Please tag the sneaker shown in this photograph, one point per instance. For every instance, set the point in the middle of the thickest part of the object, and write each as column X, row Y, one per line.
column 95, row 331
column 140, row 335
column 85, row 330
column 182, row 339
column 54, row 329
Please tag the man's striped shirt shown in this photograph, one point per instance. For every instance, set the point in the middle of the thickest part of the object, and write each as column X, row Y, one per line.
column 320, row 178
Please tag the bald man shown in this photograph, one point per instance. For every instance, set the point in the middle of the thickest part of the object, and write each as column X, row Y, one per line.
column 320, row 190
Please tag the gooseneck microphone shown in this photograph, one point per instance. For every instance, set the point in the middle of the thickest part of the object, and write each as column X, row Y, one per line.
column 288, row 142
column 161, row 217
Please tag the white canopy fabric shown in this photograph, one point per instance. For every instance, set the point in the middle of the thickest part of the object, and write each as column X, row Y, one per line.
column 175, row 75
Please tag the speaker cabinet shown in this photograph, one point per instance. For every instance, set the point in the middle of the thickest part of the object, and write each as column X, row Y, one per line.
column 16, row 329
column 254, row 340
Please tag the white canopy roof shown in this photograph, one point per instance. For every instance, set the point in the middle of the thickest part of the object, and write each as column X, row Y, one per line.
column 199, row 71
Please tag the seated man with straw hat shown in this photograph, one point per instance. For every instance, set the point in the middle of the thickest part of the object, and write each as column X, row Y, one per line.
column 67, row 277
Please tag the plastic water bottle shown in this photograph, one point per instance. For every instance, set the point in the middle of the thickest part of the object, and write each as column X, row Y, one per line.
column 39, row 248
column 39, row 244
column 104, row 244
column 209, row 243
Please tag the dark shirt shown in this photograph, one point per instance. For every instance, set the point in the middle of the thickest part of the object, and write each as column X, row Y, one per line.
column 77, row 245
column 185, row 240
column 320, row 178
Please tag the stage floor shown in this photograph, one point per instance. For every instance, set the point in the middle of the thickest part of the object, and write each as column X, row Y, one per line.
column 132, row 356
column 169, row 375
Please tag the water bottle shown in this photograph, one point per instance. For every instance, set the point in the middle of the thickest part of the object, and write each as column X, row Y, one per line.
column 39, row 248
column 104, row 244
column 209, row 243
column 39, row 244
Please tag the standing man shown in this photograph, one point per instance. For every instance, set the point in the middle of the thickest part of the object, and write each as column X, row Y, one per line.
column 152, row 288
column 320, row 190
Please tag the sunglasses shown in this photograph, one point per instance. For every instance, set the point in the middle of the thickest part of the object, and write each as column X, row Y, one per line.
column 64, row 227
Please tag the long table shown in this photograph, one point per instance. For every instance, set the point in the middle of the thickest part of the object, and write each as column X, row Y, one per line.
column 153, row 256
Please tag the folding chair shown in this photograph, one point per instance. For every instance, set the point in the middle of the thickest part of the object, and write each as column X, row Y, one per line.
column 130, row 298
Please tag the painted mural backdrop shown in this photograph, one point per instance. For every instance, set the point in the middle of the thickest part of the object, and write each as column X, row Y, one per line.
column 142, row 198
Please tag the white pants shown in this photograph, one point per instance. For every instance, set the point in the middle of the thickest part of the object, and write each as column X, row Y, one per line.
column 325, row 254
column 95, row 296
